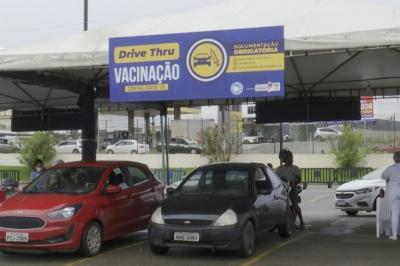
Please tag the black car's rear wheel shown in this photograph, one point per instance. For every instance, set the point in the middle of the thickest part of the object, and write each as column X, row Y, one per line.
column 248, row 240
column 92, row 240
column 286, row 229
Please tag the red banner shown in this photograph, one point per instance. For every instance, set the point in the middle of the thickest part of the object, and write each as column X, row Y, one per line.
column 367, row 107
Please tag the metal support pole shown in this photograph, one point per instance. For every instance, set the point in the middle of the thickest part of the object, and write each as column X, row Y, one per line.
column 137, row 135
column 166, row 144
column 162, row 144
column 131, row 124
column 86, row 104
column 98, row 129
column 147, row 127
column 365, row 133
column 237, row 135
column 85, row 15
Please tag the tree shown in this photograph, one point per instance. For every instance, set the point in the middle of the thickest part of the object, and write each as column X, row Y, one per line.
column 349, row 151
column 39, row 146
column 216, row 146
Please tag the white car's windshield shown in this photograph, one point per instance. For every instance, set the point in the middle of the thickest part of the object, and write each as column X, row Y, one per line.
column 374, row 175
column 68, row 180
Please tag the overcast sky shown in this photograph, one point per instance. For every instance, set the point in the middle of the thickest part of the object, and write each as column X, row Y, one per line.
column 22, row 21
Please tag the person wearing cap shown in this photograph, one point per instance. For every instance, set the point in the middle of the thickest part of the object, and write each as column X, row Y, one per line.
column 392, row 194
column 291, row 174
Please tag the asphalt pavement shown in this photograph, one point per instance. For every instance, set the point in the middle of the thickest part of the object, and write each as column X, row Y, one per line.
column 331, row 238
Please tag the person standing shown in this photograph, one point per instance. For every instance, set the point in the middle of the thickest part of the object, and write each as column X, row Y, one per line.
column 392, row 177
column 291, row 174
column 38, row 169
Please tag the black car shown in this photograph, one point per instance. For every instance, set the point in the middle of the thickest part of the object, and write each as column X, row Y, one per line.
column 181, row 145
column 222, row 206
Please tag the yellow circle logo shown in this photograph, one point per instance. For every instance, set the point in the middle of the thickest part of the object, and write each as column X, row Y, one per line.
column 206, row 60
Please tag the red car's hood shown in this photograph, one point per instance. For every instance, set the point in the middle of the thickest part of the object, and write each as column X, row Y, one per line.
column 37, row 203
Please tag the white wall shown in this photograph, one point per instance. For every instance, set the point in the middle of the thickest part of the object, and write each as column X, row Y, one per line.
column 193, row 160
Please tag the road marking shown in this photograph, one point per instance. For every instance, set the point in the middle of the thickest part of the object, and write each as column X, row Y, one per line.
column 106, row 253
column 268, row 252
column 320, row 197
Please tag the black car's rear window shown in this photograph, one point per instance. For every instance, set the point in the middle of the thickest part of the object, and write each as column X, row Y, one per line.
column 67, row 180
column 218, row 181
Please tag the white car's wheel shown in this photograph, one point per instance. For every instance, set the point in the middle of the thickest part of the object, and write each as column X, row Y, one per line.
column 110, row 152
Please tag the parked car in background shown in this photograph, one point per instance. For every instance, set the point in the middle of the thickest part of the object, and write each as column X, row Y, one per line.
column 7, row 145
column 69, row 146
column 250, row 139
column 106, row 142
column 128, row 146
column 324, row 133
column 182, row 145
column 77, row 206
column 222, row 206
column 361, row 194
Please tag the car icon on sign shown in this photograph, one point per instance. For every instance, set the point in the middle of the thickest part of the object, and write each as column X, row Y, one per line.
column 202, row 59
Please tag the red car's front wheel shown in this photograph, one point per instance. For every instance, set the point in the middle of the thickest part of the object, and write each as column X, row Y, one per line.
column 92, row 240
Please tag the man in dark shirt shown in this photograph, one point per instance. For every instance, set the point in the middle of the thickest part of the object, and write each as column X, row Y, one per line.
column 291, row 174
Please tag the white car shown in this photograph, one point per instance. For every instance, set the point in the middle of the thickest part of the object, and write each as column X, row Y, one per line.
column 324, row 133
column 127, row 146
column 250, row 139
column 361, row 194
column 69, row 146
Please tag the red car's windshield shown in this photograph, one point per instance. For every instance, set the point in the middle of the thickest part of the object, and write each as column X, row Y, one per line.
column 69, row 180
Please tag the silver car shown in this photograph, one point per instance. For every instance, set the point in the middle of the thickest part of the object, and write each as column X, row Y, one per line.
column 361, row 194
column 324, row 133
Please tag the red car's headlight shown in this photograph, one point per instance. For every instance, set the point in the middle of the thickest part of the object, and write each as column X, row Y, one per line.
column 64, row 213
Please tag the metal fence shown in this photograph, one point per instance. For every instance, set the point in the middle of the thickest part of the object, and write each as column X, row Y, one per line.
column 9, row 178
column 332, row 175
column 327, row 176
column 175, row 174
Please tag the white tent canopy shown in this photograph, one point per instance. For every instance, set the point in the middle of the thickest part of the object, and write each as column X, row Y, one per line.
column 345, row 47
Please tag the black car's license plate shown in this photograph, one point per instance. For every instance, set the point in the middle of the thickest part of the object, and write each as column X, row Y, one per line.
column 185, row 236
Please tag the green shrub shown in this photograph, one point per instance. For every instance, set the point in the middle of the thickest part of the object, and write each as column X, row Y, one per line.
column 39, row 146
column 215, row 146
column 349, row 151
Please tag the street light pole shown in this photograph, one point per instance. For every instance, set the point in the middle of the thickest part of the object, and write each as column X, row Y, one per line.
column 85, row 15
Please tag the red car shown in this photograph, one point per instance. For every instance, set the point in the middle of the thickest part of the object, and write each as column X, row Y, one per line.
column 77, row 206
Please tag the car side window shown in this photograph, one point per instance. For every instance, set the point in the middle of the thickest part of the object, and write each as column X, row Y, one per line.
column 192, row 183
column 136, row 176
column 262, row 182
column 116, row 178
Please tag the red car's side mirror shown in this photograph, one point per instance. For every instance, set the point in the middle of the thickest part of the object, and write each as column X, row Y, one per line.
column 111, row 189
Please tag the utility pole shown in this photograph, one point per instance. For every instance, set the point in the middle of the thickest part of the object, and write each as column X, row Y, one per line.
column 85, row 15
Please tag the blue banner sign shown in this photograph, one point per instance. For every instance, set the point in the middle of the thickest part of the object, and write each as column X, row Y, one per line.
column 243, row 63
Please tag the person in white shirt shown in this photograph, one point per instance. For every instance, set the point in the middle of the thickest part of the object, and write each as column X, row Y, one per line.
column 392, row 176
